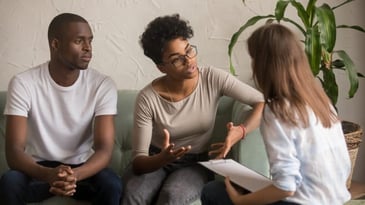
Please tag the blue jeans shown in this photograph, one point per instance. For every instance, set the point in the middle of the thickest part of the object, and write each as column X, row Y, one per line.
column 177, row 183
column 105, row 187
column 214, row 193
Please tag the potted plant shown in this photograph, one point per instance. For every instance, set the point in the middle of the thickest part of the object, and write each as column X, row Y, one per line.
column 318, row 26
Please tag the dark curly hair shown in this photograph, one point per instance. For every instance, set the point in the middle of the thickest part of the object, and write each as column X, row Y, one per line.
column 160, row 31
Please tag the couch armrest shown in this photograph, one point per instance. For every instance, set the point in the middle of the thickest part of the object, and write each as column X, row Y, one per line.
column 251, row 151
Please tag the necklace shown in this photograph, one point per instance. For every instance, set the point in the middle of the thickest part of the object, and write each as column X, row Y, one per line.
column 169, row 94
column 190, row 91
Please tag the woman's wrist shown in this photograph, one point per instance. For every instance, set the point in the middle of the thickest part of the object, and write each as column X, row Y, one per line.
column 244, row 131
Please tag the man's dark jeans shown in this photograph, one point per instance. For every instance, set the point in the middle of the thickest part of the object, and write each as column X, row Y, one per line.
column 105, row 187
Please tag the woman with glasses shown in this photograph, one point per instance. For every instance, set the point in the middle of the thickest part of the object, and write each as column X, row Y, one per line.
column 175, row 115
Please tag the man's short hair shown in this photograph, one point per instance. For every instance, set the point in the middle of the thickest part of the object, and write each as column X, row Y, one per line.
column 58, row 22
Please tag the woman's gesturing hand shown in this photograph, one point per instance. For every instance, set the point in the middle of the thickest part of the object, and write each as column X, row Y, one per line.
column 221, row 149
column 169, row 153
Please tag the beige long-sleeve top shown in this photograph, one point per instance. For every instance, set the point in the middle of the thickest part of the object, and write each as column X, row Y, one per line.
column 190, row 121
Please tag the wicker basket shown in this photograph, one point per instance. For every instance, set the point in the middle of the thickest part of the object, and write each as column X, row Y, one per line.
column 353, row 133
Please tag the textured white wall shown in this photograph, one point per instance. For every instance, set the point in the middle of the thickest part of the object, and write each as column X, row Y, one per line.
column 117, row 25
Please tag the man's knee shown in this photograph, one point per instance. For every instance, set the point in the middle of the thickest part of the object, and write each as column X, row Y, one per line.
column 12, row 187
column 110, row 181
column 13, row 180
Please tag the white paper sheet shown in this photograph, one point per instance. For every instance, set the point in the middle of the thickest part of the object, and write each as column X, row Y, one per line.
column 238, row 173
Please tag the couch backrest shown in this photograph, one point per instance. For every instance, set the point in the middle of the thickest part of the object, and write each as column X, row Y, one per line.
column 123, row 129
column 124, row 125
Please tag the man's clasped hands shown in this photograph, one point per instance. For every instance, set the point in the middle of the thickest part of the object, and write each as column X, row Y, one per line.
column 62, row 181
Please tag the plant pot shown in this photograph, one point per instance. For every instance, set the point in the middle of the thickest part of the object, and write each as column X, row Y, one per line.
column 353, row 133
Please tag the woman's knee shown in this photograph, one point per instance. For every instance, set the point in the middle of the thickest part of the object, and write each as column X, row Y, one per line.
column 142, row 189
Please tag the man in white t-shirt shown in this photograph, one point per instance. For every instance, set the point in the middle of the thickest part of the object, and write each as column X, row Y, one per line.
column 60, row 124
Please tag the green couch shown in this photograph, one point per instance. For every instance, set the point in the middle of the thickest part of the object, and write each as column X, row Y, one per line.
column 250, row 151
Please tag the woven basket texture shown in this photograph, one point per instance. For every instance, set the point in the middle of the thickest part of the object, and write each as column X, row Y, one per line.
column 353, row 133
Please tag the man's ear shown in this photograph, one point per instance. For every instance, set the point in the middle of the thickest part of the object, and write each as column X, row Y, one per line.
column 55, row 44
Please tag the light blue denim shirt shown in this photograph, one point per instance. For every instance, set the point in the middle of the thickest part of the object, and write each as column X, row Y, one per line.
column 313, row 162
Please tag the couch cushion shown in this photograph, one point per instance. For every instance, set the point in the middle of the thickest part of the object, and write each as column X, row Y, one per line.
column 123, row 130
column 223, row 116
column 251, row 151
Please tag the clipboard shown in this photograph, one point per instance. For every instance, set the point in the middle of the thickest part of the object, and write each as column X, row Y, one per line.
column 238, row 173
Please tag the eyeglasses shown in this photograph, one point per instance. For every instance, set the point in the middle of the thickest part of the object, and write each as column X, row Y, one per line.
column 180, row 60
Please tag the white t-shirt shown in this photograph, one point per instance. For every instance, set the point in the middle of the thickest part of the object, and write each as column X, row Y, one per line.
column 60, row 118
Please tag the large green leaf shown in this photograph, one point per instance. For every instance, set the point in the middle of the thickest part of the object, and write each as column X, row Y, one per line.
column 338, row 64
column 326, row 26
column 329, row 84
column 351, row 72
column 280, row 9
column 235, row 36
column 302, row 13
column 313, row 49
column 311, row 7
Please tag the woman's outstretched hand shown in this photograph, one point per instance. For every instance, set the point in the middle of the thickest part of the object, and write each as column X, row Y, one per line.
column 221, row 149
column 168, row 152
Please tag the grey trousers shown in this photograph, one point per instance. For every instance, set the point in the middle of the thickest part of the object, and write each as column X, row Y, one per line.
column 178, row 183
